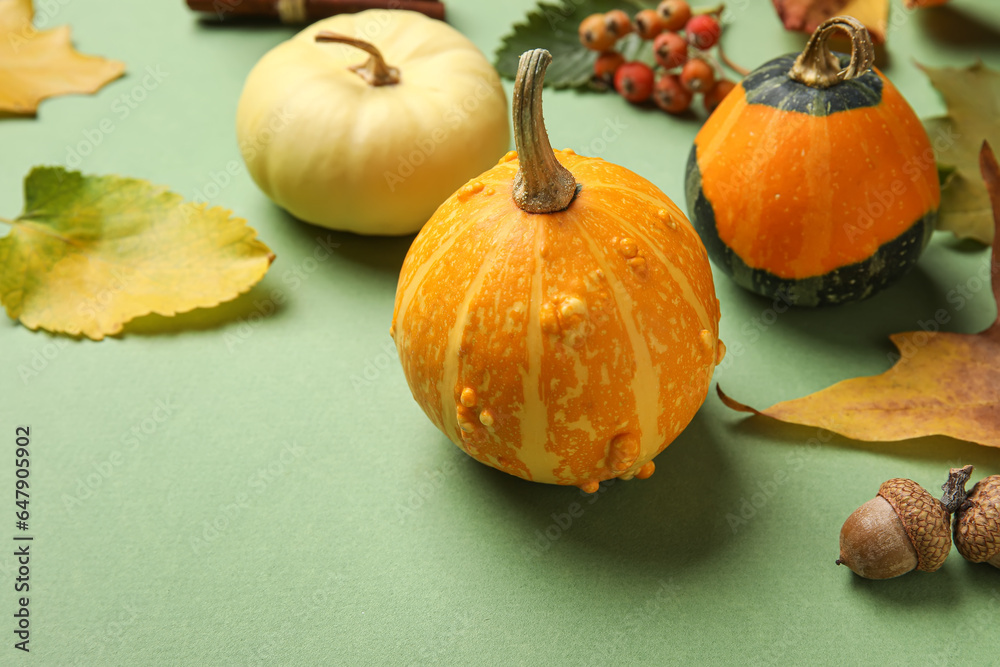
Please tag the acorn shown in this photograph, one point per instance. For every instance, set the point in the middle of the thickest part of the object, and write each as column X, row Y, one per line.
column 977, row 523
column 903, row 528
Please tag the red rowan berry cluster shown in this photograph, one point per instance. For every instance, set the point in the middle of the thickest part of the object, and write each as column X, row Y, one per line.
column 681, row 43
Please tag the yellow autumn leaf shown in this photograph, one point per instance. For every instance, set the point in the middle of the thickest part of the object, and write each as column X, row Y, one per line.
column 806, row 15
column 36, row 64
column 90, row 253
column 943, row 384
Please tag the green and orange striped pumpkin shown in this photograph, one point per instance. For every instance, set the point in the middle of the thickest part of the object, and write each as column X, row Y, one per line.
column 814, row 181
column 556, row 317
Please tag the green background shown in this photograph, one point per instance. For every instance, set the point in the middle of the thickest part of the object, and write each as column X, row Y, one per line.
column 289, row 503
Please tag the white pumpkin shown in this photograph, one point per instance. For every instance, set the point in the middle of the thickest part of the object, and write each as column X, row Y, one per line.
column 336, row 148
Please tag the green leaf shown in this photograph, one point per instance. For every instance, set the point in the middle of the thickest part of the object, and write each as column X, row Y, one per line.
column 90, row 253
column 553, row 26
column 972, row 95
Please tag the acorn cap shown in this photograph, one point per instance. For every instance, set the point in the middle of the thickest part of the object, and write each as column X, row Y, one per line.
column 924, row 518
column 977, row 525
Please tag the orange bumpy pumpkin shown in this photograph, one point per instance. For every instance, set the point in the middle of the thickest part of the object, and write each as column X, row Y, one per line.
column 556, row 317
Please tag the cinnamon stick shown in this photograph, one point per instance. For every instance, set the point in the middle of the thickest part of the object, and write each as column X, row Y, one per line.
column 314, row 9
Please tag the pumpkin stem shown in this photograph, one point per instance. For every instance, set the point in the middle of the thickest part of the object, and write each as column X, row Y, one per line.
column 818, row 67
column 376, row 72
column 541, row 185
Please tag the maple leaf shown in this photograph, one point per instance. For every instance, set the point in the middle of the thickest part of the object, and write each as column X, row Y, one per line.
column 806, row 15
column 972, row 95
column 943, row 384
column 35, row 64
column 92, row 252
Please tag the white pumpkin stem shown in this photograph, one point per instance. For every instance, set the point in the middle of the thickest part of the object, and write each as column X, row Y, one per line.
column 541, row 185
column 376, row 71
column 817, row 67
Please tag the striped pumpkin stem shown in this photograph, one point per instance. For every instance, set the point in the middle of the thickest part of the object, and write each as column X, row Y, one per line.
column 541, row 185
column 818, row 67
